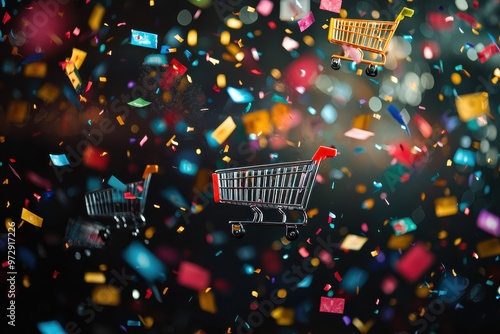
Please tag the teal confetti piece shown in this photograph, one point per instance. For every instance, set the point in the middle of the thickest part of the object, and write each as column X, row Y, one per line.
column 58, row 160
column 144, row 39
column 117, row 184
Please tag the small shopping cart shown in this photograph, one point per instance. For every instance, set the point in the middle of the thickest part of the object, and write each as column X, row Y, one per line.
column 115, row 208
column 124, row 204
column 280, row 186
column 356, row 35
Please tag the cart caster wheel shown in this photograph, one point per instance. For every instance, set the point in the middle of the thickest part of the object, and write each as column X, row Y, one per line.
column 291, row 234
column 135, row 232
column 335, row 64
column 237, row 231
column 104, row 234
column 371, row 71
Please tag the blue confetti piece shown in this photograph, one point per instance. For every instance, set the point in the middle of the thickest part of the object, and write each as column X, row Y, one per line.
column 144, row 262
column 144, row 39
column 155, row 59
column 397, row 116
column 133, row 323
column 59, row 160
column 50, row 327
column 117, row 184
column 306, row 282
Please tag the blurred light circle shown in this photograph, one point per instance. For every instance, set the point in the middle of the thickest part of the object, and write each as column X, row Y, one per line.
column 472, row 54
column 427, row 81
column 375, row 14
column 426, row 31
column 461, row 5
column 403, row 47
column 467, row 197
column 465, row 141
column 248, row 15
column 479, row 47
column 484, row 146
column 456, row 79
column 375, row 104
column 329, row 113
column 491, row 132
column 184, row 17
column 336, row 174
column 492, row 157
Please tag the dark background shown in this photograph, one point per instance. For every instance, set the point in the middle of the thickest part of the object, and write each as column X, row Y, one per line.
column 51, row 128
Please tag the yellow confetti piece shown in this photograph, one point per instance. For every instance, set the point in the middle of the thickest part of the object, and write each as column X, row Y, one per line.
column 94, row 277
column 475, row 32
column 353, row 242
column 226, row 159
column 255, row 294
column 207, row 301
column 106, row 294
column 156, row 206
column 224, row 130
column 180, row 229
column 284, row 316
column 31, row 218
column 170, row 141
column 325, row 26
column 179, row 38
column 35, row 70
column 312, row 212
column 164, row 290
column 96, row 17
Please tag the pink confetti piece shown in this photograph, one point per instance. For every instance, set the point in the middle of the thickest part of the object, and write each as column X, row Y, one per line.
column 331, row 5
column 14, row 171
column 332, row 305
column 121, row 24
column 143, row 140
column 303, row 252
column 306, row 21
column 193, row 276
column 76, row 31
column 352, row 52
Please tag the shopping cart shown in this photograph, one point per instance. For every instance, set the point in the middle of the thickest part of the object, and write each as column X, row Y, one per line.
column 357, row 35
column 125, row 205
column 281, row 186
column 81, row 232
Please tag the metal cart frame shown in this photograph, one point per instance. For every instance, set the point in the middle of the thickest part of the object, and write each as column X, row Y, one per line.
column 280, row 186
column 364, row 35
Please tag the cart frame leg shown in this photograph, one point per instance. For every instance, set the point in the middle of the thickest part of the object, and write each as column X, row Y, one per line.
column 283, row 215
column 258, row 216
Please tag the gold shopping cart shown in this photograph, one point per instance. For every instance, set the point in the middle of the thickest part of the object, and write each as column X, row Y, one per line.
column 357, row 35
column 280, row 186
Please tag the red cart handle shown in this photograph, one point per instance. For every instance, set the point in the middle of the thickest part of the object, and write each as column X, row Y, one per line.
column 324, row 152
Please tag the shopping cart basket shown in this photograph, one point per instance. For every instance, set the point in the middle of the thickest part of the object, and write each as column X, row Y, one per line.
column 85, row 233
column 364, row 35
column 281, row 186
column 125, row 205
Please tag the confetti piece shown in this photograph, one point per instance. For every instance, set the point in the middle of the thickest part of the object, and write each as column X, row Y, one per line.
column 207, row 301
column 403, row 225
column 257, row 122
column 144, row 39
column 96, row 17
column 331, row 5
column 50, row 327
column 414, row 262
column 306, row 21
column 59, row 159
column 144, row 262
column 446, row 206
column 488, row 222
column 332, row 305
column 94, row 277
column 139, row 103
column 489, row 51
column 193, row 276
column 353, row 242
column 394, row 112
column 117, row 184
column 31, row 218
column 473, row 105
column 224, row 130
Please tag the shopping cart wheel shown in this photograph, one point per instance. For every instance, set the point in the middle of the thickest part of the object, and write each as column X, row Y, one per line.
column 291, row 233
column 335, row 64
column 104, row 234
column 237, row 230
column 371, row 71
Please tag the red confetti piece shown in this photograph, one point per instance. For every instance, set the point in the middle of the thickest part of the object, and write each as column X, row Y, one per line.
column 5, row 264
column 6, row 18
column 149, row 292
column 193, row 276
column 332, row 305
column 128, row 195
column 55, row 274
column 488, row 51
column 415, row 262
column 337, row 276
column 438, row 22
column 467, row 18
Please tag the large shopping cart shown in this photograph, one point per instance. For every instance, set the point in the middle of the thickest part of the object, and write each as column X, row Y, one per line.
column 281, row 186
column 85, row 233
column 357, row 35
